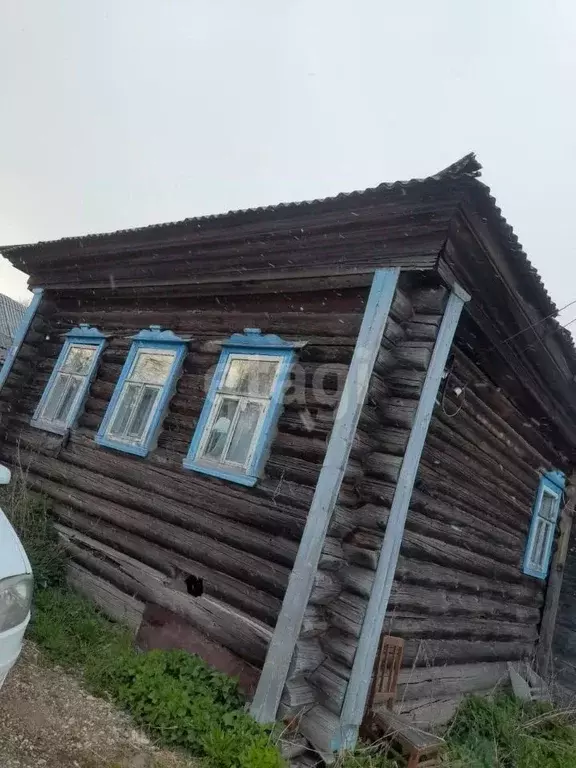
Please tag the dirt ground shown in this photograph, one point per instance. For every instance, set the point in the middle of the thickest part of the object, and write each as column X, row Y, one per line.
column 48, row 721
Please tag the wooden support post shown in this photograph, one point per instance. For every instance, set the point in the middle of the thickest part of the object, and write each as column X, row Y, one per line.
column 275, row 672
column 361, row 675
column 555, row 578
column 20, row 335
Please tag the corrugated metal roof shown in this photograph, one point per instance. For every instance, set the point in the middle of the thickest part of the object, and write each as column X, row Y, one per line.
column 10, row 315
column 463, row 173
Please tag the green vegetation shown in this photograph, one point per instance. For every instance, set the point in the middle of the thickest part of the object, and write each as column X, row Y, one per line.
column 184, row 703
column 177, row 698
column 502, row 732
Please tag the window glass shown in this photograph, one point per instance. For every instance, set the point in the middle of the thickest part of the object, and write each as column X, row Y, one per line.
column 244, row 432
column 67, row 386
column 251, row 377
column 133, row 418
column 152, row 367
column 235, row 425
column 218, row 436
column 547, row 506
column 79, row 359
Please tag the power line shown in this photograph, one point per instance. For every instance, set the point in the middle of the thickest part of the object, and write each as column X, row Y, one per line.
column 542, row 320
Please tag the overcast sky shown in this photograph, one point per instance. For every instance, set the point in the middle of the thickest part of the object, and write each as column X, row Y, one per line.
column 123, row 113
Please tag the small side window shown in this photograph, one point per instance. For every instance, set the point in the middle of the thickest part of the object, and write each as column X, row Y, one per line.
column 544, row 519
column 242, row 407
column 146, row 384
column 69, row 383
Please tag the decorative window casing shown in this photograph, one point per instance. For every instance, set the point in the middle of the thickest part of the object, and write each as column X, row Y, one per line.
column 543, row 528
column 134, row 416
column 68, row 386
column 243, row 405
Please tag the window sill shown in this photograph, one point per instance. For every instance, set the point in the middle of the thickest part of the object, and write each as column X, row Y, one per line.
column 233, row 477
column 46, row 426
column 535, row 574
column 135, row 450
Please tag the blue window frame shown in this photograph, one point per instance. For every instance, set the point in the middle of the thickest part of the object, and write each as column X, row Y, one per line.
column 243, row 405
column 544, row 518
column 135, row 413
column 68, row 386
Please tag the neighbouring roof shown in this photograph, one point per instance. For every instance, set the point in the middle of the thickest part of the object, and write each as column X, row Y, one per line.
column 10, row 314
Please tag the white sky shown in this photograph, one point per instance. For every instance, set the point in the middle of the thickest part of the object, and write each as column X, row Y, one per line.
column 119, row 114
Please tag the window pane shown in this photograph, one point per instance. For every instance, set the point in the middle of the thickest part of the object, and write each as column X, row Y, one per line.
column 547, row 507
column 124, row 409
column 78, row 359
column 243, row 433
column 152, row 367
column 55, row 396
column 220, row 428
column 250, row 377
column 143, row 410
column 539, row 546
column 74, row 384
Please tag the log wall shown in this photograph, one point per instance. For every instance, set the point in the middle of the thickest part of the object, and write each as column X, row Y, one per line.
column 460, row 599
column 139, row 527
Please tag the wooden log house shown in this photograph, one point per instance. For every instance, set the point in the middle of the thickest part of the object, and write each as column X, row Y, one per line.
column 269, row 436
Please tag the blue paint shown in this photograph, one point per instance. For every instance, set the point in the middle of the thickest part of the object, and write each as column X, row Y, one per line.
column 287, row 630
column 154, row 338
column 252, row 341
column 362, row 668
column 554, row 482
column 20, row 335
column 83, row 335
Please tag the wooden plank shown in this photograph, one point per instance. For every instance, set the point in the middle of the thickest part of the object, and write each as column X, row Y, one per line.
column 116, row 604
column 267, row 698
column 356, row 695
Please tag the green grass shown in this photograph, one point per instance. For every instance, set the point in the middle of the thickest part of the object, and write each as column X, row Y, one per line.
column 502, row 732
column 184, row 703
column 177, row 698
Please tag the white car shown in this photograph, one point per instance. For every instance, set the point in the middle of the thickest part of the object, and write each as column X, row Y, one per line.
column 15, row 591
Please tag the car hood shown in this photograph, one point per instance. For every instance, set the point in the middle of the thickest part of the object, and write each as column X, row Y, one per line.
column 13, row 558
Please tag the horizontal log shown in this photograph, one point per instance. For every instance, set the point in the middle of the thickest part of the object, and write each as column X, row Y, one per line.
column 297, row 695
column 414, row 354
column 331, row 681
column 340, row 646
column 425, row 627
column 307, row 656
column 117, row 605
column 435, row 575
column 242, row 565
column 423, row 327
column 276, row 548
column 384, row 466
column 429, row 653
column 430, row 301
column 242, row 634
column 451, row 680
column 314, row 623
column 115, row 544
column 397, row 412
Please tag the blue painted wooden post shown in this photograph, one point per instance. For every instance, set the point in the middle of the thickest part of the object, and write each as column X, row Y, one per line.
column 20, row 335
column 273, row 677
column 361, row 675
